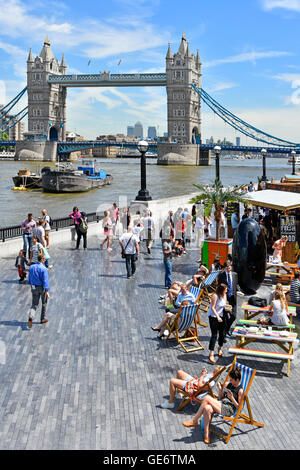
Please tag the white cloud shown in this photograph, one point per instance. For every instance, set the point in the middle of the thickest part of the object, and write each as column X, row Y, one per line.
column 283, row 122
column 223, row 86
column 247, row 57
column 293, row 5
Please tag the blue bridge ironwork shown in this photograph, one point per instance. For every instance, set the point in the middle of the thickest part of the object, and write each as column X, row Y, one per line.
column 106, row 79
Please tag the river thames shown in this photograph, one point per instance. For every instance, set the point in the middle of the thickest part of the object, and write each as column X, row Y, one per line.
column 162, row 181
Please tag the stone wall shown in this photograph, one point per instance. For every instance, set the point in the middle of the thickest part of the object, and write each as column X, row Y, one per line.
column 36, row 151
column 182, row 154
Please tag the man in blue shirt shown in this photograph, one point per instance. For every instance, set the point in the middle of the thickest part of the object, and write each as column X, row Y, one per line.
column 184, row 295
column 38, row 279
column 235, row 219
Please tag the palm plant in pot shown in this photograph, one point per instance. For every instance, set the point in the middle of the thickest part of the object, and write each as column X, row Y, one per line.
column 215, row 197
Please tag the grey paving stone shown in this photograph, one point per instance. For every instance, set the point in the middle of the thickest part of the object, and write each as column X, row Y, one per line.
column 93, row 377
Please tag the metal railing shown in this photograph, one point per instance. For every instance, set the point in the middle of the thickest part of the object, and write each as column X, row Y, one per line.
column 15, row 231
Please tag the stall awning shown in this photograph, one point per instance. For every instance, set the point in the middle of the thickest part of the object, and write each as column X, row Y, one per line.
column 280, row 200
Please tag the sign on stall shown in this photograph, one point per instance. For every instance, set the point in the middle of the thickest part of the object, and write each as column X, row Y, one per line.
column 288, row 227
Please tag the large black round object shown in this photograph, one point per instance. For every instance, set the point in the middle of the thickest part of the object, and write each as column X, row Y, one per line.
column 249, row 253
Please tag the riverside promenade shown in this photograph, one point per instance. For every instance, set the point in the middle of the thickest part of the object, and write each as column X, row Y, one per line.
column 93, row 377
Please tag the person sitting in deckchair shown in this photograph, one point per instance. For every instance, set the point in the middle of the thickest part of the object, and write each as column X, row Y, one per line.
column 181, row 380
column 184, row 298
column 228, row 401
column 201, row 275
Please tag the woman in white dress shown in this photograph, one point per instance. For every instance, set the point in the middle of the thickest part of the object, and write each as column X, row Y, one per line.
column 279, row 310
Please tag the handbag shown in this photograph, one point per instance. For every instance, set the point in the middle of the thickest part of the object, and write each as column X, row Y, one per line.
column 123, row 249
column 257, row 302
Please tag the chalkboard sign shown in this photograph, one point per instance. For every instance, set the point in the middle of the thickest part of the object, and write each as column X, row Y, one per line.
column 231, row 206
column 288, row 228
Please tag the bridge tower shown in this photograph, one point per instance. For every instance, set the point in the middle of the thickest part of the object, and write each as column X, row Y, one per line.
column 46, row 102
column 184, row 104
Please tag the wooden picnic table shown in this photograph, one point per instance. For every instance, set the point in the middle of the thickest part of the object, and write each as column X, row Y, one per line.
column 284, row 339
column 250, row 311
column 277, row 268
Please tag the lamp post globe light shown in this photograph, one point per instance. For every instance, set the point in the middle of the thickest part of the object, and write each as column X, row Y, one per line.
column 264, row 154
column 143, row 194
column 217, row 151
column 293, row 153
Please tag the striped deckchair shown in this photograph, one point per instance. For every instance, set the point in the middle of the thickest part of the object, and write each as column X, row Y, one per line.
column 205, row 296
column 202, row 391
column 247, row 376
column 196, row 291
column 186, row 316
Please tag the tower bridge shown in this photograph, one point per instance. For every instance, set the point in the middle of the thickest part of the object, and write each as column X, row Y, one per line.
column 47, row 83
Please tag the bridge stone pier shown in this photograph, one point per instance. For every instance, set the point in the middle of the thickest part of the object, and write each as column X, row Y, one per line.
column 47, row 84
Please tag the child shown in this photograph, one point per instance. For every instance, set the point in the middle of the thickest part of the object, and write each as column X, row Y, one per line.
column 181, row 381
column 20, row 264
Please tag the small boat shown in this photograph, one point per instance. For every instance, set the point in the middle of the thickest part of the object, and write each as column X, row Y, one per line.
column 27, row 180
column 66, row 179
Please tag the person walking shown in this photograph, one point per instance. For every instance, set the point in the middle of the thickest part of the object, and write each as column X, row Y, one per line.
column 108, row 230
column 168, row 256
column 130, row 249
column 149, row 229
column 75, row 215
column 39, row 282
column 20, row 263
column 27, row 227
column 216, row 323
column 114, row 215
column 47, row 227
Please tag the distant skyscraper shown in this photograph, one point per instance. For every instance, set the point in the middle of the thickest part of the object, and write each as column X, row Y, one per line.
column 138, row 130
column 151, row 132
column 130, row 130
column 238, row 141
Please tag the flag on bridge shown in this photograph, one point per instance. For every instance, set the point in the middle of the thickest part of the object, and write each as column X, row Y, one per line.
column 89, row 62
column 119, row 61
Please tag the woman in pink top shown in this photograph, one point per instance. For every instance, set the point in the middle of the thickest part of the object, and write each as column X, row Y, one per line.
column 76, row 215
column 108, row 230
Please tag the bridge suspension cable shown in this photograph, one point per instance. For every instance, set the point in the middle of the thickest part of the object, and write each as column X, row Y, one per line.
column 12, row 103
column 241, row 125
column 5, row 124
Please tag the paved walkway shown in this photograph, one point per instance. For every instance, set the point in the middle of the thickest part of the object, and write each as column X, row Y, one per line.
column 93, row 377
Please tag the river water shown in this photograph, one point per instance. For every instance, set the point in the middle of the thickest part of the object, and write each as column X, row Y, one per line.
column 162, row 181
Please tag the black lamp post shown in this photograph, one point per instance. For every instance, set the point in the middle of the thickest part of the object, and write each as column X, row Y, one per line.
column 293, row 153
column 143, row 194
column 217, row 151
column 264, row 153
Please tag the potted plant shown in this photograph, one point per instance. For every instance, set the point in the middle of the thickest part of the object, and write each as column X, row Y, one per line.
column 215, row 196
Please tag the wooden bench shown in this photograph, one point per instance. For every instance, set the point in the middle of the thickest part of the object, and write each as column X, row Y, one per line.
column 255, row 322
column 260, row 353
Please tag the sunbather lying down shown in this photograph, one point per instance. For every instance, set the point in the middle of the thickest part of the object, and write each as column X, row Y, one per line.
column 181, row 380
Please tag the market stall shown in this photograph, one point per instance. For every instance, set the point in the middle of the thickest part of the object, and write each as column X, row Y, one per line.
column 281, row 216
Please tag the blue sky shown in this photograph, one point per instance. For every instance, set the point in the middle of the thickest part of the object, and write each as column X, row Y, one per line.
column 249, row 51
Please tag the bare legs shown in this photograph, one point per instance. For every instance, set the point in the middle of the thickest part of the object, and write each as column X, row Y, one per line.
column 107, row 239
column 208, row 407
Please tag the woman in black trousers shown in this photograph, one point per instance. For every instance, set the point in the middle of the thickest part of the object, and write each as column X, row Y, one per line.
column 216, row 323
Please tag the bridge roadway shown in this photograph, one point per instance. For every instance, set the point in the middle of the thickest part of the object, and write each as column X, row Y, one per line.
column 93, row 377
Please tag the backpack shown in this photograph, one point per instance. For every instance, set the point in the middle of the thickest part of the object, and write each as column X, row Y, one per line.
column 257, row 302
column 83, row 226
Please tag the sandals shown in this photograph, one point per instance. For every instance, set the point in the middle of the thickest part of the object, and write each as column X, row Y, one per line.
column 212, row 361
column 220, row 353
column 187, row 424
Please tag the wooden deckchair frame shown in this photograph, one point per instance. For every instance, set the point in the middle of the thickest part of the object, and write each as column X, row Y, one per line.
column 206, row 388
column 239, row 417
column 173, row 330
